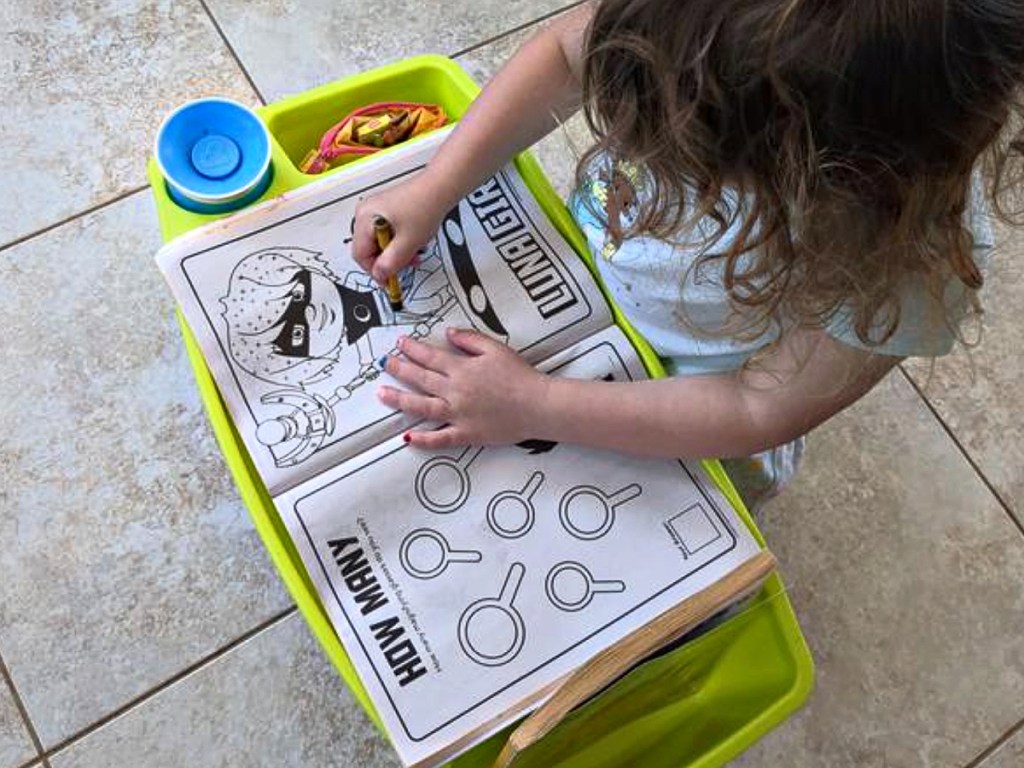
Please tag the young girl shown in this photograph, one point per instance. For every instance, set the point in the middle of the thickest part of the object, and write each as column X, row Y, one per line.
column 780, row 200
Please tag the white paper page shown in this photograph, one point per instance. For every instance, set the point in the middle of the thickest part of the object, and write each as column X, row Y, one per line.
column 464, row 583
column 292, row 329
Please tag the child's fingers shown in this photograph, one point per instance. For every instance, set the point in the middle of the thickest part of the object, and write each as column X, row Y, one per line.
column 446, row 437
column 427, row 355
column 393, row 258
column 415, row 404
column 473, row 342
column 423, row 379
column 364, row 243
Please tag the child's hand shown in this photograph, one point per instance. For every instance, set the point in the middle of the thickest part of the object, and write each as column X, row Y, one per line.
column 487, row 396
column 412, row 210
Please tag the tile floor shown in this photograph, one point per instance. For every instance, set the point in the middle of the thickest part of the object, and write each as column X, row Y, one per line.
column 141, row 623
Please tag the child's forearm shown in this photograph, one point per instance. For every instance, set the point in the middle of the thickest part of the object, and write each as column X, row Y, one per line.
column 808, row 380
column 524, row 102
column 688, row 417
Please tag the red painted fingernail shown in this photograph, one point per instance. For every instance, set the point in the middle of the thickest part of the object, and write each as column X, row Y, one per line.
column 407, row 437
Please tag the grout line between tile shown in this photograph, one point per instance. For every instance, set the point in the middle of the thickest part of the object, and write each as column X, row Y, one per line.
column 988, row 752
column 965, row 453
column 5, row 676
column 259, row 94
column 172, row 680
column 233, row 52
column 35, row 762
column 68, row 219
column 520, row 28
column 129, row 193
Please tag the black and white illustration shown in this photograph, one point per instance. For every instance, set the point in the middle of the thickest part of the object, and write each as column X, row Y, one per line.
column 317, row 336
column 571, row 586
column 295, row 332
column 425, row 554
column 491, row 629
column 511, row 513
column 693, row 529
column 443, row 483
column 510, row 566
column 588, row 513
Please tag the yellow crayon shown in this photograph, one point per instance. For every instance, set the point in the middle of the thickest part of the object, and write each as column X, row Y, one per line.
column 382, row 229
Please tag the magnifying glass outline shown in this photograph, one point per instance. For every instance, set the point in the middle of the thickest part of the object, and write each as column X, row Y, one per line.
column 522, row 497
column 594, row 586
column 503, row 603
column 609, row 500
column 460, row 466
column 448, row 555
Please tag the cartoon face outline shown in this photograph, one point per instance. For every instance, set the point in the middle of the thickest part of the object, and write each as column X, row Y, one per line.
column 290, row 317
column 284, row 316
column 312, row 324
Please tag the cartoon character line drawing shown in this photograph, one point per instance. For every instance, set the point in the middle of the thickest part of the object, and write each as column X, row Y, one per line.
column 292, row 321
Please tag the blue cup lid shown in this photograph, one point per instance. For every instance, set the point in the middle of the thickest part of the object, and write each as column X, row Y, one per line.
column 216, row 156
column 213, row 150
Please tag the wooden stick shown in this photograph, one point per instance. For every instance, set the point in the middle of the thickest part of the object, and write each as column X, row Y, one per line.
column 615, row 660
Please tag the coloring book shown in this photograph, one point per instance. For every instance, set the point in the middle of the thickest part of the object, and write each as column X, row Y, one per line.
column 465, row 584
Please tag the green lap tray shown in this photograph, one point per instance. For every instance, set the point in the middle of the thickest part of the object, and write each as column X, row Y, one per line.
column 695, row 707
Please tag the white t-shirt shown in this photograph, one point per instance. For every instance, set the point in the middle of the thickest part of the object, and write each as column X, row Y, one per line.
column 645, row 278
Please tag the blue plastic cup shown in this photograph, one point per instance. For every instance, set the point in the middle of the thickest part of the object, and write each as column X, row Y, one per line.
column 214, row 155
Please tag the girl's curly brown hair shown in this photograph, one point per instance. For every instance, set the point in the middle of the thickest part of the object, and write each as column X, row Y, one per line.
column 849, row 128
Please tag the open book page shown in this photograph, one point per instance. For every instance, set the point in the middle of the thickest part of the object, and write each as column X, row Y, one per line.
column 465, row 584
column 293, row 330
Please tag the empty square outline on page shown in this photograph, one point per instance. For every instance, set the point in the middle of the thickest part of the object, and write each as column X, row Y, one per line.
column 693, row 529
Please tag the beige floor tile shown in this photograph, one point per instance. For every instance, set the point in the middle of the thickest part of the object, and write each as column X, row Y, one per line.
column 85, row 86
column 289, row 46
column 15, row 745
column 126, row 554
column 274, row 701
column 980, row 394
column 908, row 579
column 1009, row 755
